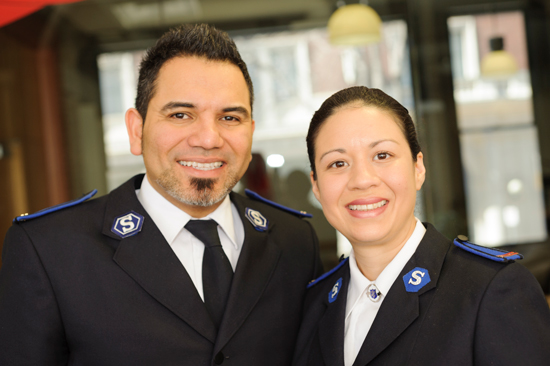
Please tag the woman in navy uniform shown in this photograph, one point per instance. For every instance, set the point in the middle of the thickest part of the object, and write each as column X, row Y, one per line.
column 406, row 295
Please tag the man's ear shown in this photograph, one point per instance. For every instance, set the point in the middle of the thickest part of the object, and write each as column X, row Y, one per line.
column 134, row 126
column 314, row 186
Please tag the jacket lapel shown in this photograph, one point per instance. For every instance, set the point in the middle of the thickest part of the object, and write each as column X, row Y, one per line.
column 149, row 260
column 400, row 309
column 332, row 324
column 257, row 261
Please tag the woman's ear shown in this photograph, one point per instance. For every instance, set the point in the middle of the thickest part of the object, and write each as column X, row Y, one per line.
column 134, row 127
column 419, row 171
column 314, row 186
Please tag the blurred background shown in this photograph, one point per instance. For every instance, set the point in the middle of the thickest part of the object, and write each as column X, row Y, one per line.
column 473, row 74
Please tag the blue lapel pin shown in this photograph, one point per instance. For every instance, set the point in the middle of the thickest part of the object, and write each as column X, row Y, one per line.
column 333, row 294
column 416, row 279
column 373, row 293
column 256, row 219
column 128, row 224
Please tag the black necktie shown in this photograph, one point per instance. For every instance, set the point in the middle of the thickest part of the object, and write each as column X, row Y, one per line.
column 217, row 272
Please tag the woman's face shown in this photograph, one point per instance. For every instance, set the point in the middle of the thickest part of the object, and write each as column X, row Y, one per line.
column 366, row 177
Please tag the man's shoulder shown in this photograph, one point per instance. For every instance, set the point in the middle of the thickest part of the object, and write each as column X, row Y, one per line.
column 62, row 217
column 267, row 207
column 79, row 212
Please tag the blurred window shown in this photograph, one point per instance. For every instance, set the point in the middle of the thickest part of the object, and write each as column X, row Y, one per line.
column 498, row 137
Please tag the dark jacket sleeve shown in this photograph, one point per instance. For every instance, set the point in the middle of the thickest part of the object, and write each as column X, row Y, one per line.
column 513, row 326
column 31, row 331
column 317, row 265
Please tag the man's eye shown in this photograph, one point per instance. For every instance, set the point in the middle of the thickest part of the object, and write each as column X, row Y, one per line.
column 229, row 118
column 179, row 115
column 338, row 164
column 382, row 156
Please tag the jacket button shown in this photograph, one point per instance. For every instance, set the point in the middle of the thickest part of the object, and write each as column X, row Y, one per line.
column 218, row 359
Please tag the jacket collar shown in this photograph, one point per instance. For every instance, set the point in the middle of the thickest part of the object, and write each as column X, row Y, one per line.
column 400, row 308
column 256, row 264
column 149, row 260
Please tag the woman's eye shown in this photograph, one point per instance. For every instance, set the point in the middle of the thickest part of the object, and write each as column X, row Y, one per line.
column 338, row 164
column 381, row 156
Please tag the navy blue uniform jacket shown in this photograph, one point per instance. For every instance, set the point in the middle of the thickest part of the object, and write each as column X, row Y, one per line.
column 474, row 311
column 74, row 293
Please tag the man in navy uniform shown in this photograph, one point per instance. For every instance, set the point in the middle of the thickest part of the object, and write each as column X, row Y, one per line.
column 171, row 268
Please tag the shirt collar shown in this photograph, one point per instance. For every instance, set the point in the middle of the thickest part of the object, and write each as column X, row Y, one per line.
column 359, row 283
column 171, row 219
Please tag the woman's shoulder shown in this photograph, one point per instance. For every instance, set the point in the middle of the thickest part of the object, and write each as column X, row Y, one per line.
column 473, row 268
column 330, row 284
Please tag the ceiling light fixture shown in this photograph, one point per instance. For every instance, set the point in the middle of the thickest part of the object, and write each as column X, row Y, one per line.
column 354, row 25
column 498, row 62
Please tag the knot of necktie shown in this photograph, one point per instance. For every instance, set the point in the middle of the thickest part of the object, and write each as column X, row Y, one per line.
column 205, row 230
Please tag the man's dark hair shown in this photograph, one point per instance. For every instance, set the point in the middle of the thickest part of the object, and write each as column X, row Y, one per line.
column 199, row 40
column 363, row 97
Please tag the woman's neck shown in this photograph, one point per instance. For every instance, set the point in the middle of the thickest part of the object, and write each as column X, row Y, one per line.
column 372, row 259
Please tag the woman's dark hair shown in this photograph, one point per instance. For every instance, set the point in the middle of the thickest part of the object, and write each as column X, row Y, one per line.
column 188, row 40
column 366, row 97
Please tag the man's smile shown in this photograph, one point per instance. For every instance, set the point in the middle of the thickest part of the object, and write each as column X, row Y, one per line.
column 201, row 166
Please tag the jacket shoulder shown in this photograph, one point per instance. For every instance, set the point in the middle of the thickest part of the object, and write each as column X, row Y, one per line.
column 59, row 207
column 494, row 254
column 256, row 197
column 327, row 274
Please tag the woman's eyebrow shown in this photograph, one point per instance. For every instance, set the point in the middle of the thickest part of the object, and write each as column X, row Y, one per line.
column 342, row 151
column 373, row 144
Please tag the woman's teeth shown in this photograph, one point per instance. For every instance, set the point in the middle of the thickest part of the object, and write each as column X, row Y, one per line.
column 202, row 166
column 367, row 207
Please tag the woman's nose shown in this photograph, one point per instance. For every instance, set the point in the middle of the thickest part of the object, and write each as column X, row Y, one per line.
column 363, row 176
column 206, row 134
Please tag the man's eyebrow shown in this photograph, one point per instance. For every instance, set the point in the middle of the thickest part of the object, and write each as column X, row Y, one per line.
column 173, row 105
column 241, row 110
column 342, row 151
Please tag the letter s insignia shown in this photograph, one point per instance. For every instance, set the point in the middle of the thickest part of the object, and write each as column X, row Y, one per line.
column 416, row 279
column 333, row 294
column 417, row 275
column 257, row 220
column 128, row 224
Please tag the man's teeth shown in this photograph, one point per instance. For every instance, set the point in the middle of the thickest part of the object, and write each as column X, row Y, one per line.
column 202, row 166
column 367, row 207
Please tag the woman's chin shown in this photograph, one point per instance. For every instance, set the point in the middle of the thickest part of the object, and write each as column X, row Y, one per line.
column 366, row 237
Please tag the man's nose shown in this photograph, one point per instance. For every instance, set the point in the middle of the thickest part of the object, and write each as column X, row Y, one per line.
column 206, row 134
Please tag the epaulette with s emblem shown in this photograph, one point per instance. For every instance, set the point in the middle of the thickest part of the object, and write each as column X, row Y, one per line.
column 257, row 197
column 494, row 254
column 26, row 217
column 325, row 275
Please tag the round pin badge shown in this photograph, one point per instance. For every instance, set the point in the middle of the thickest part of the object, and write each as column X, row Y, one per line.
column 373, row 293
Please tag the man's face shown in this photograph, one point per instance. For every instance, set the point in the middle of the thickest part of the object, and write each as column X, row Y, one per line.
column 197, row 137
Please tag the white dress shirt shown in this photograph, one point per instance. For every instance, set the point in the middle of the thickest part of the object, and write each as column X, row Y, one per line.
column 360, row 309
column 171, row 221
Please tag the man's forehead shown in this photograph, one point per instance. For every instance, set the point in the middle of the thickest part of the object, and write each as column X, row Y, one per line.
column 180, row 71
column 195, row 64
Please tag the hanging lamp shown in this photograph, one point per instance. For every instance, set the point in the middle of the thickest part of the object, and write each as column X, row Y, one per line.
column 498, row 62
column 354, row 25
